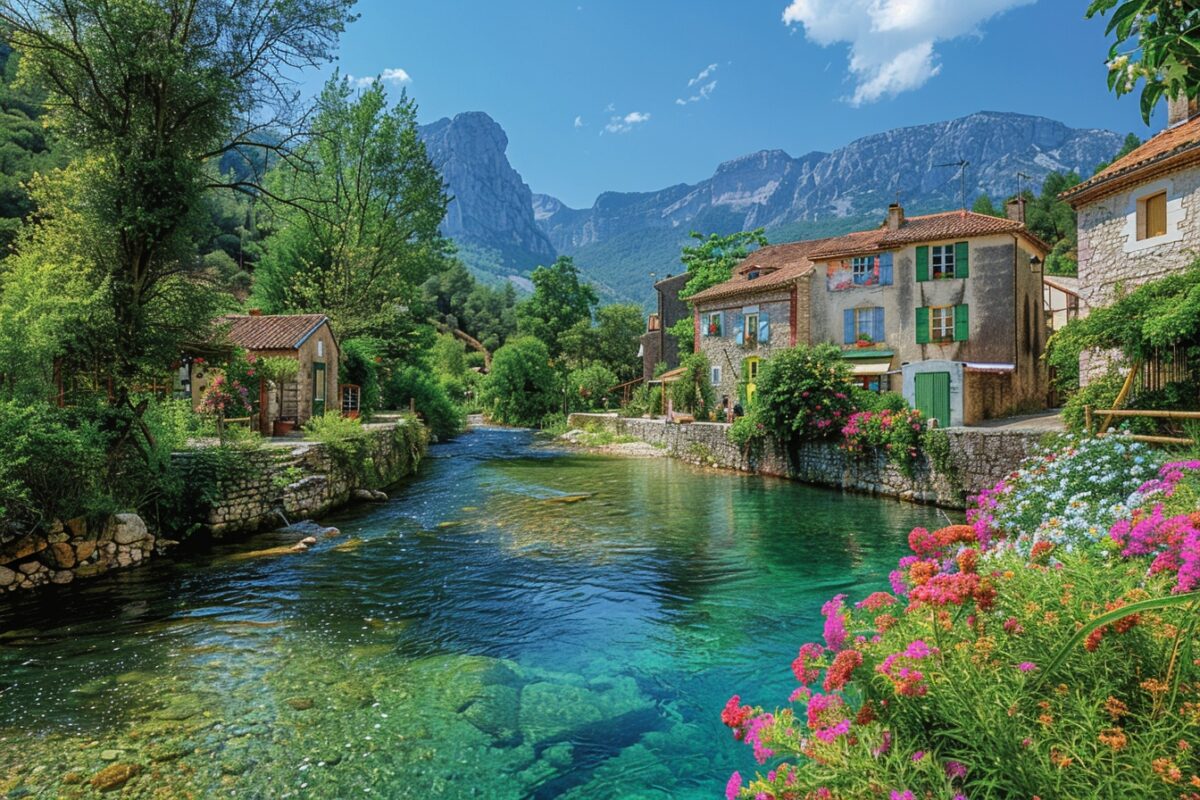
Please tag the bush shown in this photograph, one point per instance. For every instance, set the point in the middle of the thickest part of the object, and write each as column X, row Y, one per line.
column 693, row 392
column 804, row 393
column 522, row 388
column 443, row 418
column 360, row 366
column 748, row 432
column 1099, row 393
column 646, row 400
column 1062, row 669
column 897, row 434
column 864, row 400
column 589, row 388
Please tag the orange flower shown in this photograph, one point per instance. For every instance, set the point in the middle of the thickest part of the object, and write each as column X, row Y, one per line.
column 1167, row 769
column 1154, row 686
column 1115, row 708
column 1114, row 738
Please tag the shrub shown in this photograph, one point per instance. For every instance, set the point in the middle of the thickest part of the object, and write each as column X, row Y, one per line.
column 748, row 432
column 897, row 434
column 522, row 388
column 1099, row 393
column 693, row 392
column 804, row 393
column 864, row 400
column 360, row 366
column 589, row 388
column 429, row 397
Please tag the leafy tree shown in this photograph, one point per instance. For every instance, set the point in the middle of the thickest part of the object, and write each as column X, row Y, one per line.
column 589, row 388
column 618, row 331
column 693, row 391
column 560, row 300
column 712, row 261
column 366, row 238
column 26, row 147
column 443, row 417
column 984, row 205
column 148, row 92
column 1156, row 46
column 522, row 387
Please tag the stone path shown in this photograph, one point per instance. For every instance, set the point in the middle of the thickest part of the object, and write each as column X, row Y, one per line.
column 1046, row 421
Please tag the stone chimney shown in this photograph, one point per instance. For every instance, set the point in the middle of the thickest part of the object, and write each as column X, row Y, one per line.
column 895, row 217
column 1180, row 109
column 1015, row 209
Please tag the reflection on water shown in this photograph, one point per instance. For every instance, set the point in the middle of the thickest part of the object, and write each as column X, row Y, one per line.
column 517, row 622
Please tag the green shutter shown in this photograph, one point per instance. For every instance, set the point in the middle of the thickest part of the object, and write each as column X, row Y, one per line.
column 961, row 259
column 923, row 263
column 962, row 324
column 923, row 325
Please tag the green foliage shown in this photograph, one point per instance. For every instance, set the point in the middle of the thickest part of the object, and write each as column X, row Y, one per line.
column 367, row 237
column 984, row 205
column 347, row 442
column 588, row 388
column 646, row 400
column 560, row 301
column 712, row 260
column 748, row 432
column 485, row 313
column 865, row 400
column 895, row 434
column 803, row 393
column 522, row 387
column 935, row 443
column 428, row 395
column 684, row 331
column 1100, row 392
column 693, row 391
column 1155, row 46
column 618, row 330
column 360, row 367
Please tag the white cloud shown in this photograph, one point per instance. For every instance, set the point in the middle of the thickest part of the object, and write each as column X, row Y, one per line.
column 704, row 74
column 389, row 75
column 703, row 93
column 892, row 41
column 579, row 122
column 624, row 124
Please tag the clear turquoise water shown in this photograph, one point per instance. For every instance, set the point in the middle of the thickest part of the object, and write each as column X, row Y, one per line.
column 477, row 636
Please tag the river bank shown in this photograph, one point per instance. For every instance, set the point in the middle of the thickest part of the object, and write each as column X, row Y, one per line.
column 973, row 459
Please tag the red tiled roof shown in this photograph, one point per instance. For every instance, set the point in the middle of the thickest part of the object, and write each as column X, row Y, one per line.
column 781, row 264
column 924, row 228
column 272, row 331
column 1171, row 148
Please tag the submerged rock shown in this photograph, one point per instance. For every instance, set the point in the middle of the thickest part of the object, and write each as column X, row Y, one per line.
column 114, row 776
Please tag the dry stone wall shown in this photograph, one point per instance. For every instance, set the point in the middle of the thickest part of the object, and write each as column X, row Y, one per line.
column 976, row 458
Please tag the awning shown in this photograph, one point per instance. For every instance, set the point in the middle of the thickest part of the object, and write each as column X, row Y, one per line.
column 970, row 366
column 877, row 366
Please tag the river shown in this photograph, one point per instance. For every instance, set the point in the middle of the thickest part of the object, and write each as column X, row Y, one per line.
column 518, row 621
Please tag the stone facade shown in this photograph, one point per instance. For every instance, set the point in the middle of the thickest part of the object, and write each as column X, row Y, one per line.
column 303, row 481
column 658, row 345
column 978, row 459
column 1110, row 254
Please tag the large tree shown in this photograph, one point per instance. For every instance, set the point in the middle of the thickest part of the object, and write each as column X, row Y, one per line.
column 560, row 301
column 364, row 238
column 147, row 94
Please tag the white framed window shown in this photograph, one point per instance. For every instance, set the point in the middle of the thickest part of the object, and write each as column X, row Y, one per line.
column 320, row 348
column 941, row 261
column 751, row 329
column 941, row 323
column 716, row 376
column 712, row 323
column 863, row 268
column 864, row 323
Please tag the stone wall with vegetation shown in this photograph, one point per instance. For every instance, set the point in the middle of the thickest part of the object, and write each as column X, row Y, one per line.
column 964, row 461
column 241, row 490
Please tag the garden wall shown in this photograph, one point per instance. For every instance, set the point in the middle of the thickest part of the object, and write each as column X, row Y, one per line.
column 252, row 488
column 974, row 459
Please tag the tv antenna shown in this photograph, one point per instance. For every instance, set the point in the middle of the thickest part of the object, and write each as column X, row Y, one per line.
column 962, row 165
column 1021, row 175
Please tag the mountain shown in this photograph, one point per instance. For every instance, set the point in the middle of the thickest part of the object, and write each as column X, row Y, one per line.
column 625, row 236
column 491, row 214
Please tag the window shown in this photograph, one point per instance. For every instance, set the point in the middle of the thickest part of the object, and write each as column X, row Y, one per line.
column 712, row 323
column 941, row 324
column 752, row 369
column 752, row 329
column 320, row 348
column 864, row 324
column 716, row 376
column 864, row 270
column 1152, row 216
column 941, row 261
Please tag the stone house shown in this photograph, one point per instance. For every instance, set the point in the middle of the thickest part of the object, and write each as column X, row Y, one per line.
column 762, row 309
column 946, row 308
column 1060, row 295
column 308, row 338
column 1139, row 218
column 658, row 346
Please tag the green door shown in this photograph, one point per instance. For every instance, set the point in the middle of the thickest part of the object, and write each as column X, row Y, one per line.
column 933, row 396
column 318, row 391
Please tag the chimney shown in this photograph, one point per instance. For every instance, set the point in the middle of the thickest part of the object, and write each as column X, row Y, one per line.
column 1015, row 209
column 1180, row 109
column 895, row 217
column 255, row 312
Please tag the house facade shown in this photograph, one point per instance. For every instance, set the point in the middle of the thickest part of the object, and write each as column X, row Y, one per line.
column 658, row 346
column 1061, row 303
column 309, row 339
column 762, row 309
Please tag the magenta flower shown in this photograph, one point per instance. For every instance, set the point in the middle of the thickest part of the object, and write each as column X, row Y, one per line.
column 734, row 786
column 1027, row 666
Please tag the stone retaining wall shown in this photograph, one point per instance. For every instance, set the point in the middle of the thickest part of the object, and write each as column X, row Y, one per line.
column 977, row 458
column 301, row 481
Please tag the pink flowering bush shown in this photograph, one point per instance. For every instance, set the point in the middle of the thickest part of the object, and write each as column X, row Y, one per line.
column 1064, row 667
column 804, row 393
column 896, row 434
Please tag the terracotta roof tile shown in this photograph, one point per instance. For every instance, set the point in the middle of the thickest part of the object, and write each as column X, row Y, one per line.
column 924, row 228
column 1172, row 146
column 272, row 331
column 784, row 262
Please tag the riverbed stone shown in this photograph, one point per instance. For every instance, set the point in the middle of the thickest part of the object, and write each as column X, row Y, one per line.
column 114, row 776
column 495, row 712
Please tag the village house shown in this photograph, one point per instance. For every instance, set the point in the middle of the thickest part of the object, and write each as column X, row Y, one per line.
column 308, row 338
column 658, row 346
column 1139, row 218
column 946, row 308
column 1060, row 295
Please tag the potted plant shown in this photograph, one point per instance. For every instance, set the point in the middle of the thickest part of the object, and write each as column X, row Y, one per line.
column 714, row 328
column 279, row 371
column 864, row 340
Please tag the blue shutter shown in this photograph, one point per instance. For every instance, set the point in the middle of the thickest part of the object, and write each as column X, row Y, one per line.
column 885, row 269
column 741, row 329
column 877, row 332
column 764, row 329
column 720, row 323
column 848, row 336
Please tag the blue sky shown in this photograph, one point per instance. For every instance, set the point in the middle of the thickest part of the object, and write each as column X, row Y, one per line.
column 595, row 94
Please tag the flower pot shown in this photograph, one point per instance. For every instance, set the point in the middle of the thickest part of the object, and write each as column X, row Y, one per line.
column 863, row 343
column 282, row 427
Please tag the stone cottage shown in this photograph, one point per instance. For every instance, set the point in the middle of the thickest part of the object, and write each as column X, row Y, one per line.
column 658, row 346
column 762, row 309
column 308, row 338
column 946, row 308
column 1139, row 218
